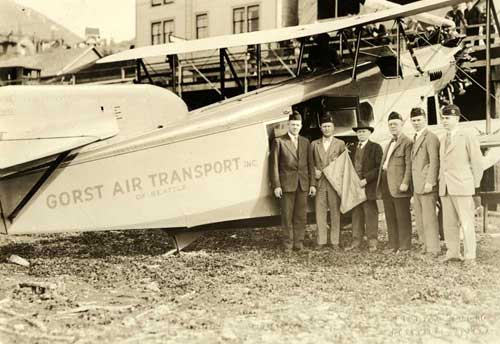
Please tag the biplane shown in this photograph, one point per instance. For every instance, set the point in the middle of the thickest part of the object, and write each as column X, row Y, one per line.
column 91, row 158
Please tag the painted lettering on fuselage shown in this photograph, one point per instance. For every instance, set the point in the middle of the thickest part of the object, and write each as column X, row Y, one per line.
column 151, row 185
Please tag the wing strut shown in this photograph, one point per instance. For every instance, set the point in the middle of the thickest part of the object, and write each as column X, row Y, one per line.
column 301, row 57
column 38, row 185
column 259, row 66
column 409, row 46
column 231, row 67
column 140, row 64
column 222, row 75
column 343, row 38
column 356, row 55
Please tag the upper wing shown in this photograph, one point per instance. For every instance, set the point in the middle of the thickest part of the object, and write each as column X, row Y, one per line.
column 427, row 18
column 40, row 121
column 281, row 34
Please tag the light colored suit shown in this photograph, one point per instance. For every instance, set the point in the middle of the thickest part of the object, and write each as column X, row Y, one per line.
column 326, row 197
column 425, row 169
column 396, row 202
column 291, row 169
column 460, row 172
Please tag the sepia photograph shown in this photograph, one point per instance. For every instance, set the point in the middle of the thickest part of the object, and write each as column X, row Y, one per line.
column 250, row 171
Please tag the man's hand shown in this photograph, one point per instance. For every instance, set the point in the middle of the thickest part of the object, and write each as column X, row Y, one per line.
column 362, row 183
column 403, row 187
column 317, row 173
column 427, row 188
column 312, row 191
column 278, row 192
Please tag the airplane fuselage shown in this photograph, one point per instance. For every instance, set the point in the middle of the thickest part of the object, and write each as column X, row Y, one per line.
column 207, row 168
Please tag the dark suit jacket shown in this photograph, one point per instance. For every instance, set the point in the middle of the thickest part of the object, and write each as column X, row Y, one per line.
column 322, row 159
column 398, row 168
column 425, row 161
column 291, row 168
column 370, row 166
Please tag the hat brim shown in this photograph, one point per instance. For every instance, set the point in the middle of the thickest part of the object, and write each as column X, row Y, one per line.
column 359, row 128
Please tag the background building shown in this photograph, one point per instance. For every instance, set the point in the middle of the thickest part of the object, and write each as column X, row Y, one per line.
column 156, row 20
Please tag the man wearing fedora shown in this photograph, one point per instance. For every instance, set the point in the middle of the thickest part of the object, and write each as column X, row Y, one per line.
column 366, row 158
column 324, row 151
column 460, row 173
column 292, row 179
column 424, row 171
column 393, row 185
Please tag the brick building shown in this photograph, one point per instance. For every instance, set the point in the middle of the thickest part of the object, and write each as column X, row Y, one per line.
column 156, row 20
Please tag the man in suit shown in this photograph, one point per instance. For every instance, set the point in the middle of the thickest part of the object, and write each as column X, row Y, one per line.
column 324, row 151
column 366, row 158
column 393, row 183
column 424, row 172
column 460, row 173
column 292, row 178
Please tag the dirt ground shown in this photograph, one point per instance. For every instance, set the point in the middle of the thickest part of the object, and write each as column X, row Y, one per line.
column 236, row 286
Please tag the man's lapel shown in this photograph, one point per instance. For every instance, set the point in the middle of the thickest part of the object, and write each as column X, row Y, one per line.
column 453, row 141
column 397, row 144
column 331, row 148
column 416, row 145
column 291, row 147
column 321, row 151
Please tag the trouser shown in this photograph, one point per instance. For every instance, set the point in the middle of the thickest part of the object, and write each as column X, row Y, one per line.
column 294, row 217
column 327, row 198
column 398, row 219
column 427, row 221
column 459, row 211
column 365, row 221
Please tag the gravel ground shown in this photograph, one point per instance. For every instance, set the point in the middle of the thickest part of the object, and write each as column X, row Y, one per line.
column 236, row 286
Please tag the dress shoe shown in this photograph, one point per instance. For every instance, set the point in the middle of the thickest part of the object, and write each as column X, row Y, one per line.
column 390, row 250
column 299, row 246
column 433, row 255
column 287, row 247
column 335, row 247
column 447, row 259
column 470, row 262
column 320, row 247
column 372, row 248
column 355, row 244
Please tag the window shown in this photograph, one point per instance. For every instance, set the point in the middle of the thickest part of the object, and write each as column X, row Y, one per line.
column 201, row 25
column 253, row 18
column 161, row 31
column 168, row 29
column 156, row 33
column 246, row 19
column 239, row 20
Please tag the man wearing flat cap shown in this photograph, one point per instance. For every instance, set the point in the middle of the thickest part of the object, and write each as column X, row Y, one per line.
column 460, row 173
column 324, row 151
column 366, row 158
column 424, row 172
column 292, row 179
column 393, row 185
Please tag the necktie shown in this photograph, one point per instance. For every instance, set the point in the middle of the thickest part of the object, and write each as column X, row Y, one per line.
column 415, row 138
column 360, row 145
column 295, row 143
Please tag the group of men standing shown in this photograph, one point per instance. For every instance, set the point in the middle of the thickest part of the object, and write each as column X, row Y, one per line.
column 421, row 167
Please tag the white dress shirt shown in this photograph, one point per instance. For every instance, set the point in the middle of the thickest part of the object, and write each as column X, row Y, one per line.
column 327, row 142
column 389, row 153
